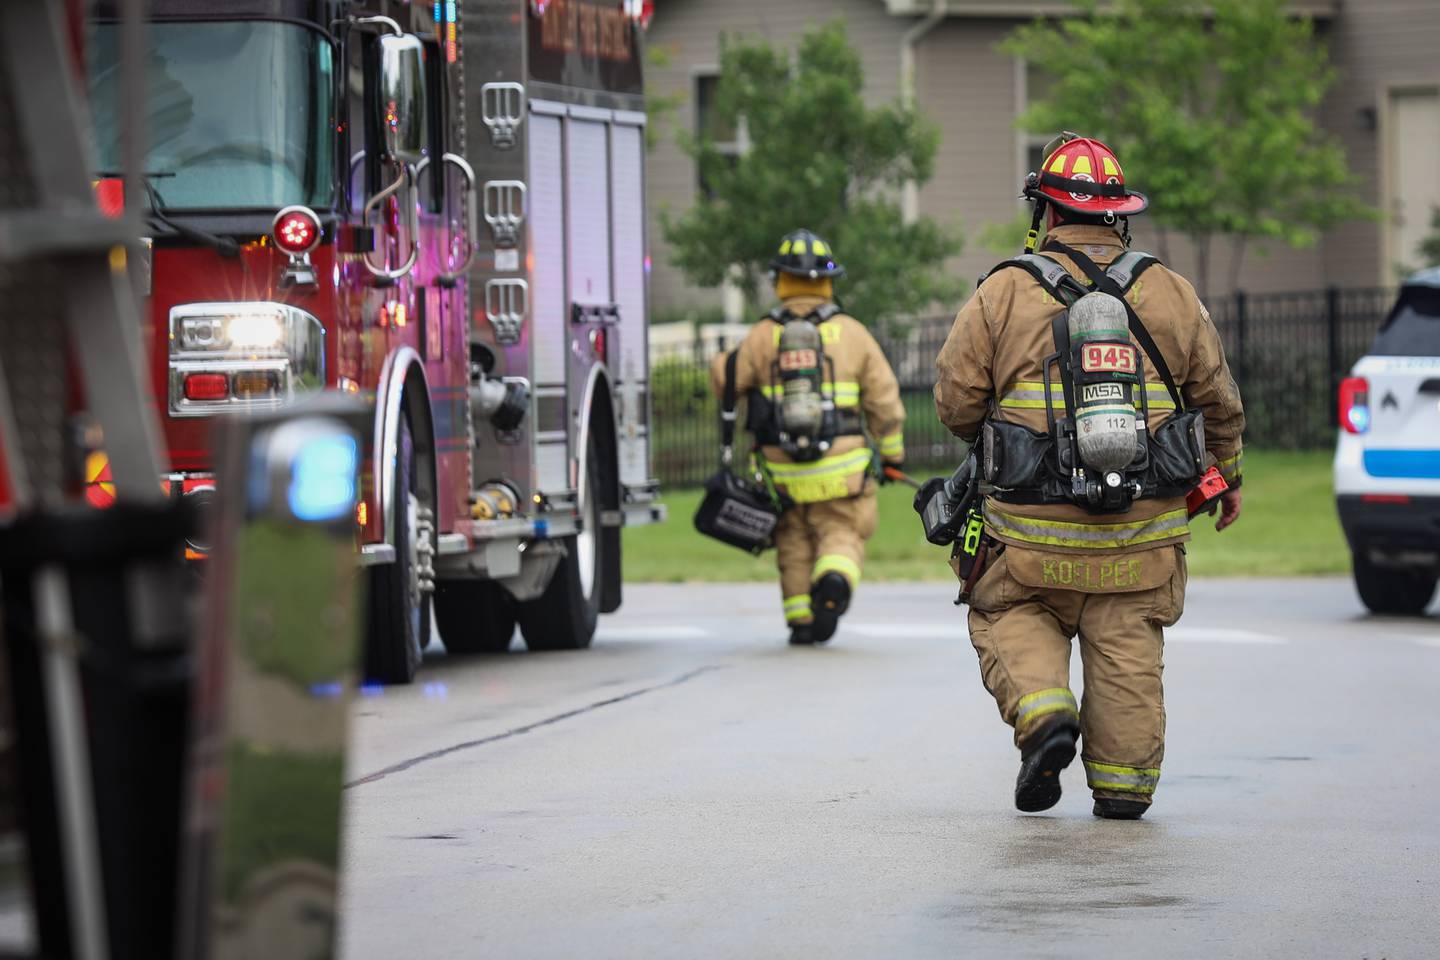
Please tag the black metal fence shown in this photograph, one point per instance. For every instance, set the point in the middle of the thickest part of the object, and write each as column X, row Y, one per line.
column 1288, row 351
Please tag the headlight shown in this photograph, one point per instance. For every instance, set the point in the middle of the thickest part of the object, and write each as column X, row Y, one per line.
column 202, row 333
column 242, row 354
column 255, row 331
column 246, row 331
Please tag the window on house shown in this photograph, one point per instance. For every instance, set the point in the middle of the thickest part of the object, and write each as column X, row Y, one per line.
column 726, row 136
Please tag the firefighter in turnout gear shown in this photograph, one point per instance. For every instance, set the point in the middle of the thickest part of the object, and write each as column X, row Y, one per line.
column 815, row 382
column 1093, row 422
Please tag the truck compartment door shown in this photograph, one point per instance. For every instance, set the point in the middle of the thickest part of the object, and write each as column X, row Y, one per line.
column 587, row 211
column 627, row 231
column 549, row 324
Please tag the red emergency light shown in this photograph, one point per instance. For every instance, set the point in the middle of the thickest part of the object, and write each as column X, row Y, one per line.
column 110, row 197
column 296, row 230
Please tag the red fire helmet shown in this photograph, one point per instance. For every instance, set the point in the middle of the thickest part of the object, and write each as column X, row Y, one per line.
column 1084, row 176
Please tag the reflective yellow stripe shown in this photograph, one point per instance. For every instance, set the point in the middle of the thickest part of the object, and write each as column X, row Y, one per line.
column 1230, row 468
column 797, row 608
column 827, row 479
column 1086, row 536
column 1030, row 395
column 893, row 446
column 1113, row 776
column 834, row 563
column 846, row 392
column 841, row 464
column 1042, row 703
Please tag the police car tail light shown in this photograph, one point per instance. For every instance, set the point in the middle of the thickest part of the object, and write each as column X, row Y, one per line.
column 1355, row 404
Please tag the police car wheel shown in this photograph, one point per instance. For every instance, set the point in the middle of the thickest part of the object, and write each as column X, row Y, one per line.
column 398, row 627
column 565, row 615
column 1393, row 591
column 474, row 616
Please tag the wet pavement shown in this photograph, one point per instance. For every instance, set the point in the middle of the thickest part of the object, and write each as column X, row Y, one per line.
column 692, row 787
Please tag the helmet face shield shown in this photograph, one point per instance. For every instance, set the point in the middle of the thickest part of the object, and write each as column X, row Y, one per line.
column 805, row 254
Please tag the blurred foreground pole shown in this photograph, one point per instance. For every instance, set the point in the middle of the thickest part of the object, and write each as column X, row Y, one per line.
column 94, row 630
column 279, row 662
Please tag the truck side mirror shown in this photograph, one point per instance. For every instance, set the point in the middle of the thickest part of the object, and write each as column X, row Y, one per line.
column 402, row 98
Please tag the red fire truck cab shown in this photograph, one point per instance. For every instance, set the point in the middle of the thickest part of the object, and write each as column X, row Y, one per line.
column 436, row 207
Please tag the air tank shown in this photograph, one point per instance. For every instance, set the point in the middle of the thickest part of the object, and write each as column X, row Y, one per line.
column 1105, row 369
column 801, row 400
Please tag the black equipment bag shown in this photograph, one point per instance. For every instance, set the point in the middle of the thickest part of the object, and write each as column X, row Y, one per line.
column 735, row 511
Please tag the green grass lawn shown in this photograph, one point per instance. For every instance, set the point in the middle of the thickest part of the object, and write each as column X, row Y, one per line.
column 1288, row 528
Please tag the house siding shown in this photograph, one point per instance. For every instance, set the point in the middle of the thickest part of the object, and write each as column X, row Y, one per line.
column 689, row 33
column 971, row 91
column 1376, row 45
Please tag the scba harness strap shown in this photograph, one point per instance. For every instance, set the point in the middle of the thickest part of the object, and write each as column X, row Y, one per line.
column 1116, row 280
column 1029, row 468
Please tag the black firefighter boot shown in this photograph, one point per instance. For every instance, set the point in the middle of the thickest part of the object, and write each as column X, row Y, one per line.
column 1111, row 808
column 802, row 635
column 829, row 598
column 1045, row 753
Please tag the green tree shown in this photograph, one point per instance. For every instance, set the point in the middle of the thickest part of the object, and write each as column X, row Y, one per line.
column 820, row 158
column 1212, row 107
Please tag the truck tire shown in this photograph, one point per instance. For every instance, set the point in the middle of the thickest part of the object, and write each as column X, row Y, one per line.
column 474, row 616
column 1388, row 590
column 564, row 616
column 399, row 624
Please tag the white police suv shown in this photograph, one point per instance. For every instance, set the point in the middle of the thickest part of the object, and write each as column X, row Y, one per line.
column 1387, row 461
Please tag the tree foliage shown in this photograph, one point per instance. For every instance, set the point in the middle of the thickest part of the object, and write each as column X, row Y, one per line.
column 1211, row 106
column 817, row 157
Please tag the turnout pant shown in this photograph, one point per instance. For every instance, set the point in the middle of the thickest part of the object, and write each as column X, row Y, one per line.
column 1023, row 617
column 813, row 539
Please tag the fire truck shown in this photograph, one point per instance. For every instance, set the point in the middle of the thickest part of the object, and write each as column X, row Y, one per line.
column 439, row 208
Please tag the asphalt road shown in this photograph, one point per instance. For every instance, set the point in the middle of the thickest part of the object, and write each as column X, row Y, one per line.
column 691, row 787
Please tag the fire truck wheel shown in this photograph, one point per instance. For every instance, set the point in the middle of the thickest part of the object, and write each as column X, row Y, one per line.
column 399, row 625
column 564, row 616
column 474, row 616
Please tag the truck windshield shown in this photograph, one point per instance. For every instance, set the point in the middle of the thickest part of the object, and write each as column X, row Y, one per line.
column 239, row 114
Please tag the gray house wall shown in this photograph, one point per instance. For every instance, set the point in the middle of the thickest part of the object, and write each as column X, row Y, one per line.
column 1376, row 45
column 688, row 32
column 974, row 92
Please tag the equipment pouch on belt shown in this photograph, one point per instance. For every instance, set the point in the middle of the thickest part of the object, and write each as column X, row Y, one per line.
column 1013, row 456
column 1177, row 450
